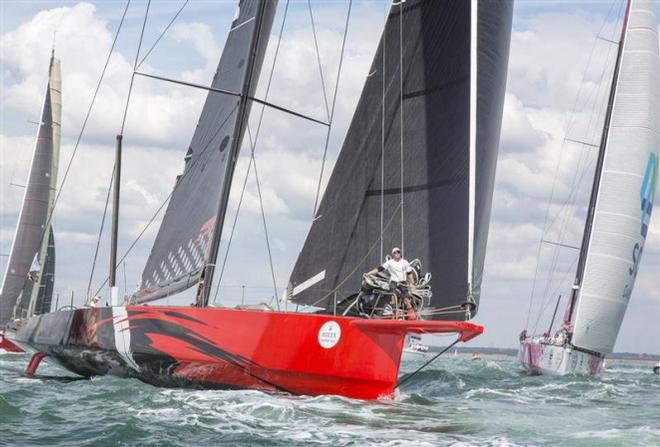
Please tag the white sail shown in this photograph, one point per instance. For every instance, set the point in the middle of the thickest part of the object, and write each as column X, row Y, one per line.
column 626, row 187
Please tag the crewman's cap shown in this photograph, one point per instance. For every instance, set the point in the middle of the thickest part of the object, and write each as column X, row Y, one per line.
column 396, row 250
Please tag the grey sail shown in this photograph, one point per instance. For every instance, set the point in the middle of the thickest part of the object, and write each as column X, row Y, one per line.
column 30, row 241
column 434, row 198
column 183, row 245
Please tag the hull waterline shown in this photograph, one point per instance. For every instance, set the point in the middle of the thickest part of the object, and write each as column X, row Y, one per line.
column 225, row 348
column 541, row 357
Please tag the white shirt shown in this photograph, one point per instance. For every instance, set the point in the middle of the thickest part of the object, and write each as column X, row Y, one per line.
column 397, row 269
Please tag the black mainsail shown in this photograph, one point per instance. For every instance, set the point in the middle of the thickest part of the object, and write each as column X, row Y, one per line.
column 187, row 240
column 429, row 188
column 26, row 290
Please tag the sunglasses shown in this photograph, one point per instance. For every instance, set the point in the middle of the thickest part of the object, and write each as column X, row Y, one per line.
column 396, row 252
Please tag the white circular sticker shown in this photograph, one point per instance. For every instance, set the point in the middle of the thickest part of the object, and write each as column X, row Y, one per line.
column 329, row 334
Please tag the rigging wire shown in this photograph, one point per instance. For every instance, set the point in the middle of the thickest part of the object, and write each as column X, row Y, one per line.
column 263, row 218
column 556, row 174
column 162, row 34
column 107, row 200
column 582, row 167
column 318, row 59
column 412, row 374
column 332, row 109
column 130, row 87
column 98, row 240
column 169, row 196
column 252, row 149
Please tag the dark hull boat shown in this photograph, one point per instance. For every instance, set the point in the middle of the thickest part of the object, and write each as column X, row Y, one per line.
column 437, row 83
column 226, row 348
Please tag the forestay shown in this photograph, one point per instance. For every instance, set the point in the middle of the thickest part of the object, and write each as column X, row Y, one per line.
column 183, row 245
column 438, row 177
column 30, row 241
column 626, row 187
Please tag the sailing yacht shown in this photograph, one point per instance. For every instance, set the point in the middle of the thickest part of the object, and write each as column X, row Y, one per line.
column 27, row 286
column 418, row 162
column 619, row 210
column 414, row 348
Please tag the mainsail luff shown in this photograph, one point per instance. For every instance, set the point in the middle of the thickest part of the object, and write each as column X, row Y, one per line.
column 31, row 238
column 186, row 241
column 627, row 183
column 438, row 77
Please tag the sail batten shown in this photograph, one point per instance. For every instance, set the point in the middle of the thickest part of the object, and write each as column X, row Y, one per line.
column 187, row 240
column 625, row 188
column 452, row 109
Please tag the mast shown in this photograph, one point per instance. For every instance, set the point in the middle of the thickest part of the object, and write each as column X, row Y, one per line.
column 206, row 280
column 588, row 226
column 114, row 292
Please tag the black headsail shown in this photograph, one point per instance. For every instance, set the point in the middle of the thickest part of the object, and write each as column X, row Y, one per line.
column 184, row 245
column 41, row 281
column 438, row 179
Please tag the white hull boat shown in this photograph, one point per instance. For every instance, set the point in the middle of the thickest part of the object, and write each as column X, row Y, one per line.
column 540, row 356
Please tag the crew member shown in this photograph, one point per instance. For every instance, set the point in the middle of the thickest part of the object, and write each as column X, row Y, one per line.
column 399, row 269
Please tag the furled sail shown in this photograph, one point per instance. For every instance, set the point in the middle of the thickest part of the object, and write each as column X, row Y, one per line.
column 625, row 186
column 31, row 239
column 429, row 188
column 183, row 245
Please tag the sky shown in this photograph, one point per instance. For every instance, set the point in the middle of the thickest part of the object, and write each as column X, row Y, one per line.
column 558, row 79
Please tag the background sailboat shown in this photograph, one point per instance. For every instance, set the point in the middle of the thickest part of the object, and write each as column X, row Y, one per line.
column 27, row 286
column 210, row 347
column 619, row 209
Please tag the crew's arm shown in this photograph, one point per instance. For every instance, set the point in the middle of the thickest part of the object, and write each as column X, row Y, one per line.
column 411, row 280
column 376, row 270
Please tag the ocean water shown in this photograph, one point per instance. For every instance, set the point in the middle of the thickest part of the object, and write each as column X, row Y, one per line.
column 456, row 402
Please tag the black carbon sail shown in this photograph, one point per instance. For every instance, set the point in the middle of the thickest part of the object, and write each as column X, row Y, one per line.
column 429, row 188
column 184, row 245
column 31, row 240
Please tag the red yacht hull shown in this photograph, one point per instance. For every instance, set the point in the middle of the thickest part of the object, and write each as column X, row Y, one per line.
column 6, row 345
column 297, row 353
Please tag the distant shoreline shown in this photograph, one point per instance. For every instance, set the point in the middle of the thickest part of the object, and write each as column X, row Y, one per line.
column 644, row 358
